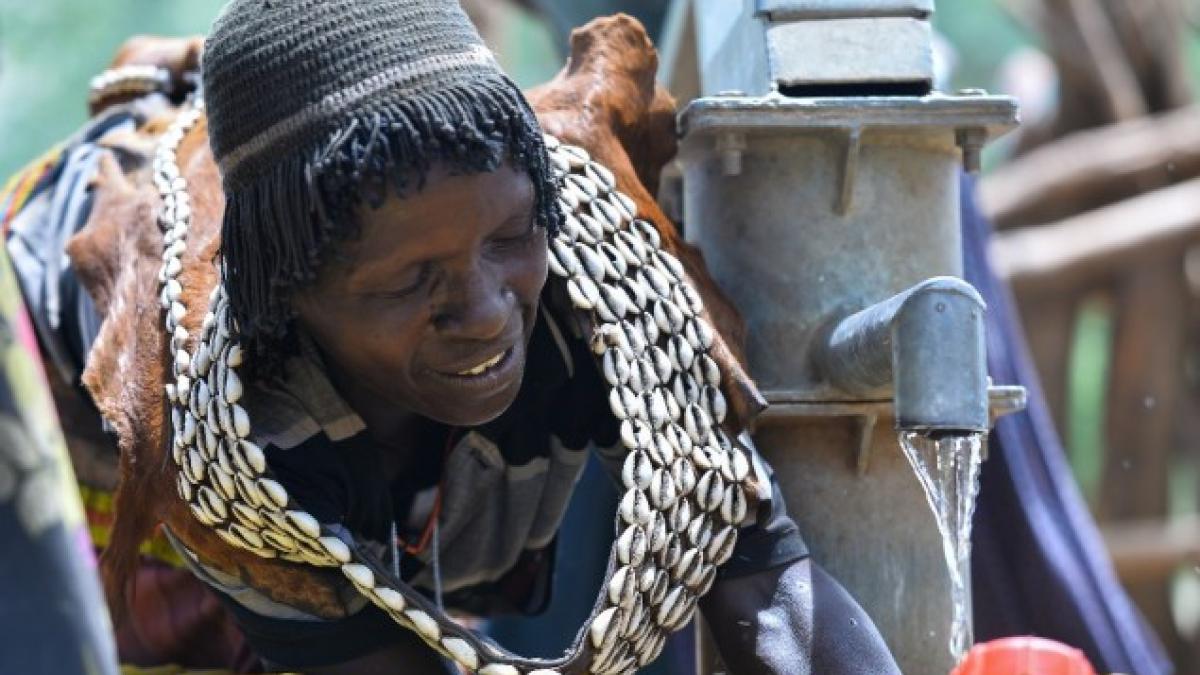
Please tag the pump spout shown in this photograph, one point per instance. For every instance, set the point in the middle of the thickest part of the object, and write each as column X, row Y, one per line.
column 927, row 343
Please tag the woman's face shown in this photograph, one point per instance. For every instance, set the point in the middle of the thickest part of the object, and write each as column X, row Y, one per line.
column 431, row 309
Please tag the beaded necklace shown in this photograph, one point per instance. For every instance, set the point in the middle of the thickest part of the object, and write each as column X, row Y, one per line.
column 684, row 478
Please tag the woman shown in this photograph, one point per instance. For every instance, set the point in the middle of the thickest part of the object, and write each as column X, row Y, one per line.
column 414, row 383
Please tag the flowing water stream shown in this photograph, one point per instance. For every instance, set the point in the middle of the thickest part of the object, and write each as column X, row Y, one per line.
column 947, row 465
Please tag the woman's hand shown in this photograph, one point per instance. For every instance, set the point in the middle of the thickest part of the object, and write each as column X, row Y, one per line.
column 793, row 619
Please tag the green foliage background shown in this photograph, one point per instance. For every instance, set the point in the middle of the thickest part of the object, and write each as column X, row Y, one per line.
column 50, row 49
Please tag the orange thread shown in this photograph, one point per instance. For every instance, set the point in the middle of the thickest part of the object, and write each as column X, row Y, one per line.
column 427, row 532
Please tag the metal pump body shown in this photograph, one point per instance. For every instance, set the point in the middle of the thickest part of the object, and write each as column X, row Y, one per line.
column 820, row 179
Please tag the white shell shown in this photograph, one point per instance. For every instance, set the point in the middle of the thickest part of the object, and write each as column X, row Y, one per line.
column 714, row 401
column 710, row 490
column 661, row 362
column 201, row 515
column 668, row 317
column 305, row 523
column 182, row 361
column 246, row 514
column 189, row 429
column 616, row 367
column 203, row 360
column 600, row 175
column 738, row 465
column 617, row 404
column 690, row 568
column 662, row 490
column 633, row 338
column 656, row 533
column 697, row 423
column 562, row 255
column 720, row 547
column 656, row 408
column 252, row 455
column 462, row 652
column 336, row 548
column 361, row 575
column 670, row 265
column 680, row 515
column 647, row 232
column 577, row 157
column 230, row 538
column 241, row 421
column 700, row 531
column 631, row 546
column 172, row 290
column 593, row 230
column 223, row 482
column 625, row 203
column 635, row 434
column 647, row 578
column 670, row 553
column 583, row 292
column 390, row 599
column 274, row 491
column 591, row 261
column 425, row 625
column 233, row 387
column 670, row 605
column 622, row 586
column 662, row 583
column 657, row 281
column 614, row 304
column 214, row 505
column 184, row 487
column 201, row 396
column 247, row 535
column 608, row 215
column 282, row 542
column 637, row 471
column 684, row 475
column 681, row 352
column 600, row 629
column 249, row 491
column 733, row 504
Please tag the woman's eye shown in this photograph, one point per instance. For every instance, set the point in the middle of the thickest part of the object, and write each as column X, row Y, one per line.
column 525, row 235
column 411, row 283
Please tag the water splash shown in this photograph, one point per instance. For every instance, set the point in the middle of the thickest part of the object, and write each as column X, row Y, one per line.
column 948, row 468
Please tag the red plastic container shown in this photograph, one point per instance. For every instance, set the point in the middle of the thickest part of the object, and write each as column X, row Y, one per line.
column 1024, row 656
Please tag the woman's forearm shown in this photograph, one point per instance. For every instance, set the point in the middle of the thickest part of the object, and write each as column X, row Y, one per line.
column 793, row 619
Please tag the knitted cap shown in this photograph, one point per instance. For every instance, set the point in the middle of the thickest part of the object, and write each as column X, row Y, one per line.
column 317, row 106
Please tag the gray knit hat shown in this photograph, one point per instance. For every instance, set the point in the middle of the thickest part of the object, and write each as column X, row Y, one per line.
column 317, row 106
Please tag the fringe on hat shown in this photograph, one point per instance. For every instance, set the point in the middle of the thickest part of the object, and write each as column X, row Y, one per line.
column 279, row 226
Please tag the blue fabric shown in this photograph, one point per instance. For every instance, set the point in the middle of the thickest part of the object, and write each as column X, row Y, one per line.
column 1039, row 566
column 585, row 537
column 62, row 312
column 52, row 613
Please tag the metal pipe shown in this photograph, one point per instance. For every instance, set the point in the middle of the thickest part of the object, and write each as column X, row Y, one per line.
column 927, row 343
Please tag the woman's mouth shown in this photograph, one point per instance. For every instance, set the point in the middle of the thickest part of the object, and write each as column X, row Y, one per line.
column 484, row 366
column 488, row 372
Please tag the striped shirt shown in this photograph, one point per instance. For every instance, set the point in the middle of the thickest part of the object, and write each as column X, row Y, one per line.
column 504, row 486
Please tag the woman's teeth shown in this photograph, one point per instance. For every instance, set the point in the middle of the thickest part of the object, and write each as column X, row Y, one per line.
column 482, row 368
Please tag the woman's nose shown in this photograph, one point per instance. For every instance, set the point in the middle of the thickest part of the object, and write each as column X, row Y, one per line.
column 475, row 306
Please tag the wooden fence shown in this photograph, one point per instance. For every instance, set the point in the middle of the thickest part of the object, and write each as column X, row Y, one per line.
column 1138, row 258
